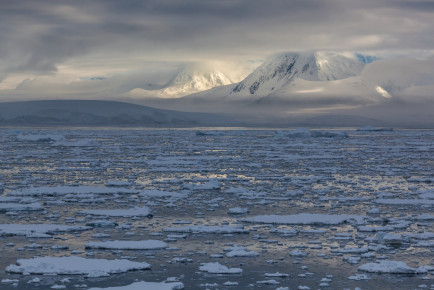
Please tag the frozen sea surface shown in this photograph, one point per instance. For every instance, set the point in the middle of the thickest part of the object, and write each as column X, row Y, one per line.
column 216, row 209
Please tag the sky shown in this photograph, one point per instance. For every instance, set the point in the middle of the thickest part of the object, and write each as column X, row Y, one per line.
column 104, row 48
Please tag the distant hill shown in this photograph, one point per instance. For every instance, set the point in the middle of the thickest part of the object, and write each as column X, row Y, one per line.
column 100, row 113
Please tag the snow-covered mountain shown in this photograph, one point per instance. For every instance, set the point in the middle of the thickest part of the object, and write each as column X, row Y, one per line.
column 280, row 70
column 320, row 77
column 316, row 83
column 192, row 78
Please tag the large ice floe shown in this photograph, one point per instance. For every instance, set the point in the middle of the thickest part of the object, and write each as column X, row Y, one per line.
column 393, row 267
column 142, row 285
column 75, row 266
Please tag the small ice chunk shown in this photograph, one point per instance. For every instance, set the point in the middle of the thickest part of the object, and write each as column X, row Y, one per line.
column 102, row 224
column 268, row 282
column 238, row 210
column 237, row 251
column 298, row 253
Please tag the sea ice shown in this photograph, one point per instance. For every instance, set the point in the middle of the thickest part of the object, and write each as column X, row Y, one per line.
column 208, row 229
column 39, row 137
column 74, row 266
column 142, row 285
column 238, row 210
column 128, row 245
column 130, row 212
column 393, row 267
column 217, row 268
column 306, row 219
column 238, row 251
column 37, row 229
column 64, row 189
column 302, row 132
column 20, row 206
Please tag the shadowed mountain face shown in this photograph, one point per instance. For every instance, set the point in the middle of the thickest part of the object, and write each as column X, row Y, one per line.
column 87, row 112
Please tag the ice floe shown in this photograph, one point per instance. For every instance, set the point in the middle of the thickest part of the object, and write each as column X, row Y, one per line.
column 217, row 268
column 142, row 285
column 128, row 245
column 63, row 190
column 128, row 212
column 74, row 266
column 393, row 267
column 208, row 229
column 306, row 219
column 37, row 230
column 20, row 206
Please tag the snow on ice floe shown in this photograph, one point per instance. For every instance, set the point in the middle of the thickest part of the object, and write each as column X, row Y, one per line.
column 20, row 206
column 208, row 229
column 74, row 266
column 425, row 217
column 306, row 219
column 238, row 210
column 142, row 285
column 217, row 268
column 64, row 190
column 37, row 230
column 239, row 251
column 128, row 245
column 393, row 267
column 130, row 212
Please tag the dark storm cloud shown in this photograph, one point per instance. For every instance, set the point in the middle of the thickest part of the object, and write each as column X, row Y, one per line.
column 425, row 6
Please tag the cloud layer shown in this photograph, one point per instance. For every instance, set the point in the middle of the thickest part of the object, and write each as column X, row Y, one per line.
column 69, row 45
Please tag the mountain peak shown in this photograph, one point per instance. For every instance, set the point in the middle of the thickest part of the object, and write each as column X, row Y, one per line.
column 199, row 77
column 191, row 78
column 280, row 69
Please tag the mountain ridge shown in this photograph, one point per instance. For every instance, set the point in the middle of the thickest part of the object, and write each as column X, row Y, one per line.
column 99, row 113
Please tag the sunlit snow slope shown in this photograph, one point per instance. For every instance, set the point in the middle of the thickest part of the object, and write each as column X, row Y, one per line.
column 190, row 79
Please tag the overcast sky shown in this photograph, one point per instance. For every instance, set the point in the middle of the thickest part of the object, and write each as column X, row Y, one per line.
column 65, row 48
